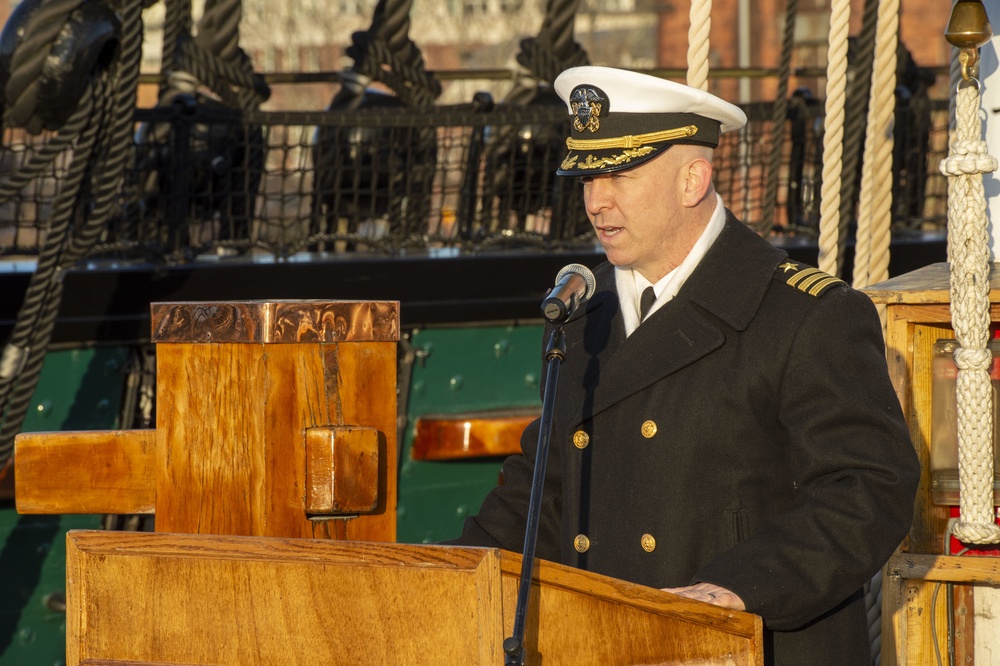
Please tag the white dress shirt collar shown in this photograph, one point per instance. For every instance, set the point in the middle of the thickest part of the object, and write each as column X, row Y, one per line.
column 630, row 284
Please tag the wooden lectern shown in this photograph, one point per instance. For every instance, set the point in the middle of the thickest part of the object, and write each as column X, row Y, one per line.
column 238, row 601
column 278, row 419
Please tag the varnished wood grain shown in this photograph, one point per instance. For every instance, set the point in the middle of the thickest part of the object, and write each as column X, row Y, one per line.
column 341, row 470
column 927, row 620
column 930, row 519
column 362, row 383
column 469, row 436
column 211, row 465
column 248, row 601
column 568, row 597
column 232, row 456
column 243, row 602
column 85, row 472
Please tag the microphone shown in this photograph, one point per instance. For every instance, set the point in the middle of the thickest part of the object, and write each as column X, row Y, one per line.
column 574, row 285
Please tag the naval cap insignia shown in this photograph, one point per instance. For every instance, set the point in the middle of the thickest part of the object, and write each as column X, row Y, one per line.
column 587, row 103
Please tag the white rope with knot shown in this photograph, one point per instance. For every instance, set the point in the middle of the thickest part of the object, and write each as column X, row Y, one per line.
column 697, row 55
column 968, row 249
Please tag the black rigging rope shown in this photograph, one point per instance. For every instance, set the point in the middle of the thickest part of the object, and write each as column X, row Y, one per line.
column 385, row 53
column 856, row 117
column 100, row 134
column 22, row 88
column 523, row 158
column 778, row 119
column 176, row 22
column 551, row 51
column 213, row 56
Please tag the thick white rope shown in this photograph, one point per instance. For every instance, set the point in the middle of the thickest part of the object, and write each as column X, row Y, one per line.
column 968, row 245
column 833, row 137
column 871, row 258
column 697, row 55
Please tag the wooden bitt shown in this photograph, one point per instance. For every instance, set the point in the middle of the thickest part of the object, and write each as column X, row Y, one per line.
column 248, row 394
column 249, row 380
column 194, row 599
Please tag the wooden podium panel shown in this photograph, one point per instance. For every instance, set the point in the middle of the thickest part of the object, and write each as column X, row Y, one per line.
column 155, row 598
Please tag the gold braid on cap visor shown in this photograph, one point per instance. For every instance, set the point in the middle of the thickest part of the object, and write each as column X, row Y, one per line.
column 632, row 140
column 632, row 143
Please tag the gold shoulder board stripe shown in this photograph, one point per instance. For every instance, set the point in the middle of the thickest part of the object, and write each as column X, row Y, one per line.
column 807, row 279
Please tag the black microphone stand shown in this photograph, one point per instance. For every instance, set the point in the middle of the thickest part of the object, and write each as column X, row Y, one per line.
column 555, row 354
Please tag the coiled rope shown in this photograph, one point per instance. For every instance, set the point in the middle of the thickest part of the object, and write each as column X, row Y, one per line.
column 214, row 56
column 386, row 53
column 968, row 249
column 100, row 133
column 177, row 21
column 23, row 87
column 547, row 54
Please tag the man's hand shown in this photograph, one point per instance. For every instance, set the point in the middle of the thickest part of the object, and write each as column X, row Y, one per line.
column 711, row 594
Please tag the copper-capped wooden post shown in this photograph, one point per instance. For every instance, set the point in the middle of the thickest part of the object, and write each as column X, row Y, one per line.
column 247, row 380
column 274, row 418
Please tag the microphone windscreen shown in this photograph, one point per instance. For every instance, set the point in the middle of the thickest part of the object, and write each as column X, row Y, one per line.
column 582, row 271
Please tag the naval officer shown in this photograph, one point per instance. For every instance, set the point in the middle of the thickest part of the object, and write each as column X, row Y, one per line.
column 724, row 427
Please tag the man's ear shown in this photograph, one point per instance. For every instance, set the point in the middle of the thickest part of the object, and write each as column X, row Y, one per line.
column 697, row 181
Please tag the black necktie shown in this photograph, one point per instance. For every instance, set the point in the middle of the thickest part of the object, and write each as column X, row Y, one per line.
column 646, row 302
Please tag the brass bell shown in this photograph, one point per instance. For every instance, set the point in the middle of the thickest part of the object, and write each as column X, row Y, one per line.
column 969, row 26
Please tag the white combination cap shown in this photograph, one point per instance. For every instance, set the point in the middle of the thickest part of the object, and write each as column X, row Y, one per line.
column 621, row 118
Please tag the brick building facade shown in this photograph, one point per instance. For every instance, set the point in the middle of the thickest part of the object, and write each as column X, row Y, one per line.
column 921, row 29
column 306, row 35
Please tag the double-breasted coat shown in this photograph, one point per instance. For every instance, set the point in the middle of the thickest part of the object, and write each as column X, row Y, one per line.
column 746, row 435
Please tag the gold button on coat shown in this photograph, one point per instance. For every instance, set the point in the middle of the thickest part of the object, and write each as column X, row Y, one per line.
column 581, row 543
column 648, row 543
column 648, row 429
column 581, row 439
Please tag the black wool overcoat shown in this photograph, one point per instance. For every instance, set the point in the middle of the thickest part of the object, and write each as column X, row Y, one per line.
column 746, row 434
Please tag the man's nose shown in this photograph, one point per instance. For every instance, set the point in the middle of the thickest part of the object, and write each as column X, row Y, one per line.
column 596, row 196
